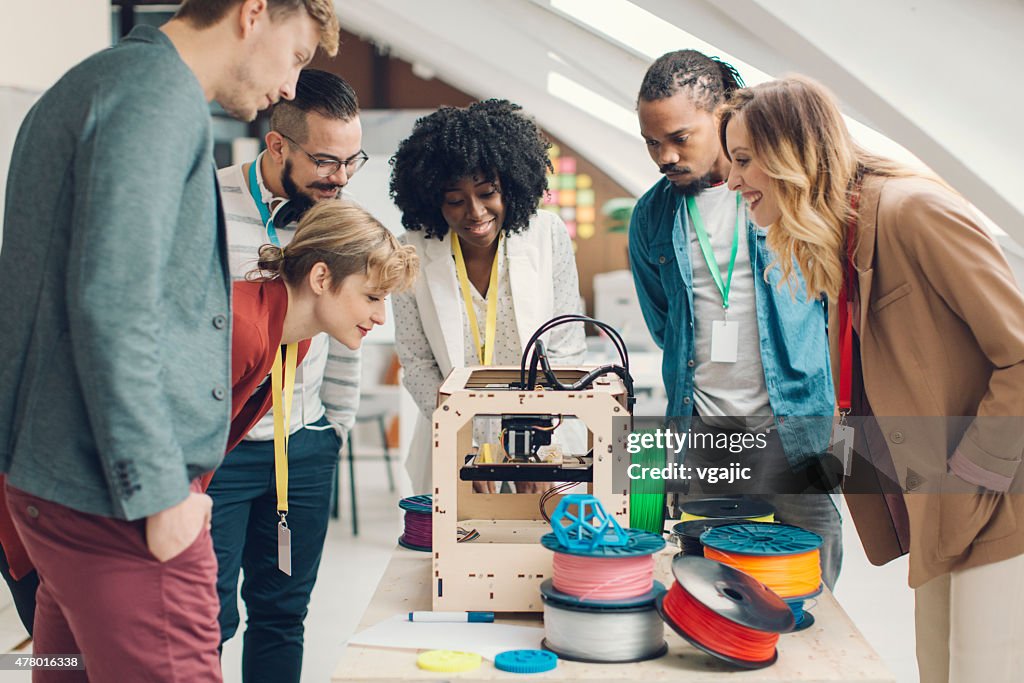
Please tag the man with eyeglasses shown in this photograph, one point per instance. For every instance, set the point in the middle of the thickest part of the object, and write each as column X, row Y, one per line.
column 313, row 149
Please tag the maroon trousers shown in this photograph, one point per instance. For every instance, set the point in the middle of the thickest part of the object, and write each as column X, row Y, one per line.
column 104, row 596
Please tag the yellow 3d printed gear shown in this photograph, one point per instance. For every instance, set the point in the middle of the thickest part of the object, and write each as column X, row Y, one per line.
column 448, row 661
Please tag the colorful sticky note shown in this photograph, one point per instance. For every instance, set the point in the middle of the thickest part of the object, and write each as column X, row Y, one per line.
column 585, row 197
column 585, row 214
column 568, row 213
column 585, row 231
column 551, row 198
column 570, row 227
column 566, row 182
column 584, row 181
column 567, row 165
column 567, row 198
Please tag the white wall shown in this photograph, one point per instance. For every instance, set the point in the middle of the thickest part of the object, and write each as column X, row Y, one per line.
column 39, row 41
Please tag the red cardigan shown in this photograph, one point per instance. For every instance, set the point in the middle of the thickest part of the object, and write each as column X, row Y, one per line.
column 258, row 310
column 257, row 321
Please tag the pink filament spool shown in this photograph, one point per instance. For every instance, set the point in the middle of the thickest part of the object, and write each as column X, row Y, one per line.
column 603, row 578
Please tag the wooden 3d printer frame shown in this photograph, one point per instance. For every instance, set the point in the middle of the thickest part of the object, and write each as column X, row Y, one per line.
column 501, row 571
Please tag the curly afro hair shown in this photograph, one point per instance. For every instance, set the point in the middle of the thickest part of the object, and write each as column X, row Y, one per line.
column 491, row 138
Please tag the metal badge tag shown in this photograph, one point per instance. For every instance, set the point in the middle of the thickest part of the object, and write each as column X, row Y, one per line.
column 284, row 548
column 842, row 446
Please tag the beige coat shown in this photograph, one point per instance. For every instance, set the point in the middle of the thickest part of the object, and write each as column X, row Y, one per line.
column 942, row 334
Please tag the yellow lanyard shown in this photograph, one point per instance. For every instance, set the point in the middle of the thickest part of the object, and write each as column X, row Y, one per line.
column 282, row 386
column 485, row 351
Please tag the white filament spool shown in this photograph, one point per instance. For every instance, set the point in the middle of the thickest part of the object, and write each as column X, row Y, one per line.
column 605, row 635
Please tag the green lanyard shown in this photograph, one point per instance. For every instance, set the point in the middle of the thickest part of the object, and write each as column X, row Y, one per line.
column 705, row 247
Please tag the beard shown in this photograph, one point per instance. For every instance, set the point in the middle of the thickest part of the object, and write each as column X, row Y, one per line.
column 300, row 201
column 694, row 187
column 303, row 201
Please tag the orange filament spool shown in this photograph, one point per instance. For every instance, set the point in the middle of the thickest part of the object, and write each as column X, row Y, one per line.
column 790, row 576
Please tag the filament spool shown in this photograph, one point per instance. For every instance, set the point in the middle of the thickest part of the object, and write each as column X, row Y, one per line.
column 724, row 612
column 599, row 605
column 803, row 618
column 687, row 534
column 602, row 635
column 603, row 578
column 567, row 599
column 418, row 534
column 785, row 558
column 739, row 509
column 621, row 575
column 638, row 542
column 647, row 496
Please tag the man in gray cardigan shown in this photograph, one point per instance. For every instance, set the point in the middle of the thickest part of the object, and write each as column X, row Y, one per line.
column 114, row 291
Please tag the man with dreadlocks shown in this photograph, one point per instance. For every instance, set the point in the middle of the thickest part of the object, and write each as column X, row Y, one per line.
column 468, row 183
column 739, row 353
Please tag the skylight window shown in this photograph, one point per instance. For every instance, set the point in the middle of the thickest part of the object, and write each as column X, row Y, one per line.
column 639, row 30
column 597, row 105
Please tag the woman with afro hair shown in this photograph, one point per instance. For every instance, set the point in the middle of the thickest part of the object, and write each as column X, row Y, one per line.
column 469, row 182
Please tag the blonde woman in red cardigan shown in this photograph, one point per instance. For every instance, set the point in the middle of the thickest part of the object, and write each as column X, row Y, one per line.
column 334, row 277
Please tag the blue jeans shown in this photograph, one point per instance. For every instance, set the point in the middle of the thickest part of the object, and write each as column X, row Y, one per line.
column 245, row 536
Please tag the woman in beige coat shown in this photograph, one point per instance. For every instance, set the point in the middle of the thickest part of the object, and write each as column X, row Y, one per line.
column 927, row 334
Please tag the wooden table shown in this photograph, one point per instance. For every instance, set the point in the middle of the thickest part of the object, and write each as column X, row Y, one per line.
column 830, row 650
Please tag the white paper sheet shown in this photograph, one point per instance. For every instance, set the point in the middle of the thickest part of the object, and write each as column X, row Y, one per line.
column 487, row 640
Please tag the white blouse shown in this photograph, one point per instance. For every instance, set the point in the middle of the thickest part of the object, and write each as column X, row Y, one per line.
column 422, row 374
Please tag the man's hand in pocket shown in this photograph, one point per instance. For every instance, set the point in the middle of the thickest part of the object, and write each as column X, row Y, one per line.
column 170, row 531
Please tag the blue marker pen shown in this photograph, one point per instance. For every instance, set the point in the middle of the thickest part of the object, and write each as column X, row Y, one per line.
column 472, row 617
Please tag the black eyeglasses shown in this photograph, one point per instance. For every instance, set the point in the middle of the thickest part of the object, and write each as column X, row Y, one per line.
column 328, row 167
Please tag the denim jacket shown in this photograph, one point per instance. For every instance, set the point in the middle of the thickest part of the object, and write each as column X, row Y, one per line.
column 794, row 341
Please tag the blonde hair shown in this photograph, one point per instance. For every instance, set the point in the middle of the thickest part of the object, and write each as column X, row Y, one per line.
column 348, row 240
column 801, row 142
column 203, row 13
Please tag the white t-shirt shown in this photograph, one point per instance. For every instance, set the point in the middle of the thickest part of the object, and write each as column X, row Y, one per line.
column 737, row 389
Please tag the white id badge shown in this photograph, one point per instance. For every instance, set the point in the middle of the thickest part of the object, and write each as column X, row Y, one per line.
column 842, row 446
column 284, row 548
column 725, row 341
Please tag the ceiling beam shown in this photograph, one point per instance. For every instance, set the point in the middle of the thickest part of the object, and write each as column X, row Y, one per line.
column 509, row 49
column 938, row 78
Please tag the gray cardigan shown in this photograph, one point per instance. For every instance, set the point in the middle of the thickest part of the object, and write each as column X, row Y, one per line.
column 114, row 289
